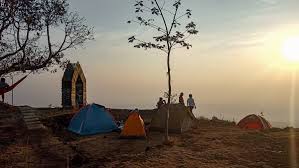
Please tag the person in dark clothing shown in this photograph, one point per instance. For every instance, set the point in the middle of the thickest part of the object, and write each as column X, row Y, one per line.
column 160, row 103
column 181, row 99
column 3, row 85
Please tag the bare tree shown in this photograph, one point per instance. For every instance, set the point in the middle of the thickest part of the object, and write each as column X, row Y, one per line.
column 169, row 34
column 34, row 34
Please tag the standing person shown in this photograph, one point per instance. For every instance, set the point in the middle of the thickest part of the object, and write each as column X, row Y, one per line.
column 181, row 99
column 3, row 85
column 191, row 103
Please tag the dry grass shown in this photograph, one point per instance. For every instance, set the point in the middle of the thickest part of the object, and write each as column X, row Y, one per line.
column 210, row 144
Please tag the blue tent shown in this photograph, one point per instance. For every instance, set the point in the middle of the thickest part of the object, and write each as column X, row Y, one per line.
column 92, row 119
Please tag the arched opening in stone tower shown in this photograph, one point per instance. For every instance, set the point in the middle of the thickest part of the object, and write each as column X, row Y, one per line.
column 73, row 87
column 79, row 91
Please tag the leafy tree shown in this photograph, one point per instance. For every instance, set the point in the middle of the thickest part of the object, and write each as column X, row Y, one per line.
column 34, row 34
column 169, row 34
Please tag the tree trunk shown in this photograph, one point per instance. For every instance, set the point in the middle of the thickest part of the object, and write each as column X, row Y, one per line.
column 169, row 97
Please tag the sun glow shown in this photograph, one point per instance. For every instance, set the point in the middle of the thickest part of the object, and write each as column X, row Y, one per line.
column 279, row 50
column 290, row 49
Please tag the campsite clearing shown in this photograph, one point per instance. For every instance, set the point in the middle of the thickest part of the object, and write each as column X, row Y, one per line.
column 212, row 143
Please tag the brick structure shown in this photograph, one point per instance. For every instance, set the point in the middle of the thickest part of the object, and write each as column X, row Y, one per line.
column 73, row 86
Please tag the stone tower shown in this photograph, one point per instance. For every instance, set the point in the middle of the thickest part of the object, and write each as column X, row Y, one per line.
column 73, row 86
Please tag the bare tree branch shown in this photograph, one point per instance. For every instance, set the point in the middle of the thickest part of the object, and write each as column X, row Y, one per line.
column 26, row 31
column 168, row 36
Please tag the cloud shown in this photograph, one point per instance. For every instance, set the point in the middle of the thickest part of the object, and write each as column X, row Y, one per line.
column 270, row 2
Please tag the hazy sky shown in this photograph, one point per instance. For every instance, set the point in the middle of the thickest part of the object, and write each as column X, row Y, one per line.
column 235, row 65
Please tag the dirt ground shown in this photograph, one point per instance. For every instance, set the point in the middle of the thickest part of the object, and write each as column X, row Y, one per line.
column 212, row 143
column 204, row 147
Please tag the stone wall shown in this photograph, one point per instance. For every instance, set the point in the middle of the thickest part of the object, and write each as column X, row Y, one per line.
column 122, row 114
column 118, row 114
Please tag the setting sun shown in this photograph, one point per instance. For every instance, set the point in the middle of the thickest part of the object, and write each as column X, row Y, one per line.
column 290, row 49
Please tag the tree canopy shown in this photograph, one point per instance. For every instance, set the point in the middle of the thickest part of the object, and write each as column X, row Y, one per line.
column 34, row 34
column 170, row 33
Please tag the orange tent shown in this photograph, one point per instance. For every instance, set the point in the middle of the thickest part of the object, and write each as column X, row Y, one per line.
column 254, row 122
column 134, row 127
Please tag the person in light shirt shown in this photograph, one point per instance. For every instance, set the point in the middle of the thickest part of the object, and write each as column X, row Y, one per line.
column 190, row 103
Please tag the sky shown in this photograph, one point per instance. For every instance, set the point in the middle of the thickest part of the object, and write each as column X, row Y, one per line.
column 234, row 68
